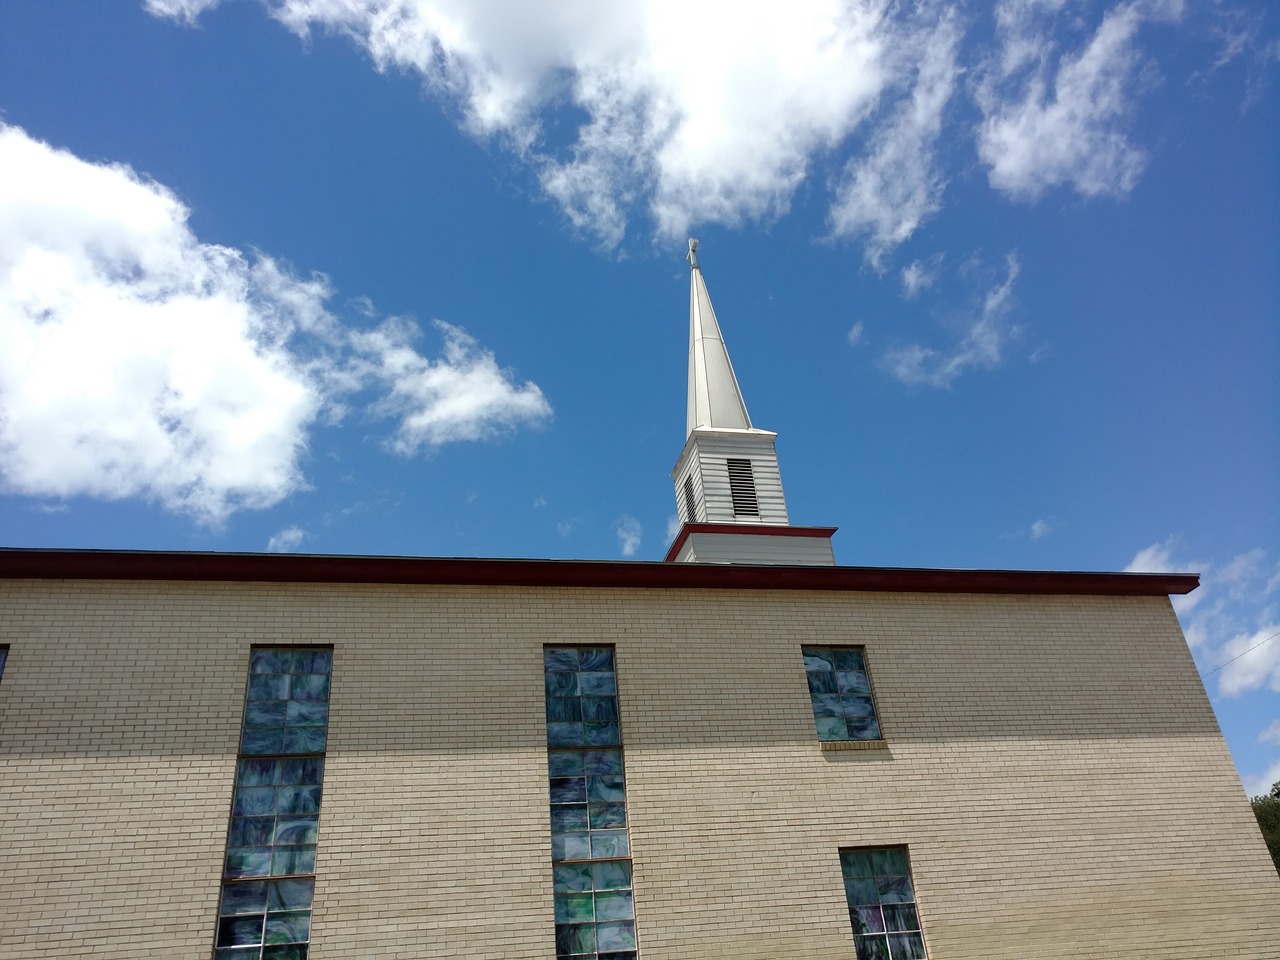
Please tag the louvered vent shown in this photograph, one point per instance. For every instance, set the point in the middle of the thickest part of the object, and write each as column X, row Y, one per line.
column 690, row 505
column 742, row 488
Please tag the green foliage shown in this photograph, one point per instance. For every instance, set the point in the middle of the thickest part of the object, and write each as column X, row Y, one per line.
column 1267, row 810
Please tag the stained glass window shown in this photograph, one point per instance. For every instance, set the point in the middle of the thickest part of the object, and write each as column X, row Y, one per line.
column 882, row 903
column 269, row 873
column 4, row 655
column 840, row 693
column 590, row 846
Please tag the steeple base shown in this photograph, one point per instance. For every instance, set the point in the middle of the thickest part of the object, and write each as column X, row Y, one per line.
column 755, row 544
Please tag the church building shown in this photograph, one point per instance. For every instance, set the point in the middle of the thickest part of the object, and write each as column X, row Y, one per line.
column 745, row 752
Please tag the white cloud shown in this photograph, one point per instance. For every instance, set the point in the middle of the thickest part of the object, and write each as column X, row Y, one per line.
column 185, row 10
column 887, row 193
column 1041, row 528
column 1260, row 785
column 693, row 112
column 464, row 395
column 566, row 527
column 539, row 502
column 920, row 275
column 140, row 362
column 1157, row 558
column 629, row 533
column 1271, row 734
column 854, row 336
column 286, row 540
column 1045, row 124
column 982, row 347
column 673, row 527
column 1252, row 661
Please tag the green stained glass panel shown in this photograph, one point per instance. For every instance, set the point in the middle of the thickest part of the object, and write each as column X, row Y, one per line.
column 832, row 728
column 900, row 917
column 248, row 862
column 821, row 682
column 895, row 889
column 574, row 938
column 264, row 686
column 565, row 735
column 309, row 686
column 265, row 712
column 872, row 948
column 609, row 843
column 606, row 789
column 307, row 713
column 256, row 772
column 856, row 863
column 867, row 920
column 889, row 860
column 288, row 927
column 861, row 891
column 562, row 684
column 290, row 830
column 574, row 908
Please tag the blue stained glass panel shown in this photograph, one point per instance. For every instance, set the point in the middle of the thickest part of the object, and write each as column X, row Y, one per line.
column 603, row 761
column 889, row 860
column 849, row 659
column 562, row 684
column 569, row 790
column 569, row 818
column 266, row 713
column 906, row 946
column 575, row 938
column 609, row 843
column 251, row 831
column 248, row 897
column 256, row 772
column 293, row 951
column 252, row 801
column 564, row 709
column 821, row 682
column 599, row 709
column 825, row 704
column 304, row 739
column 560, row 658
column 291, row 894
column 296, row 830
column 831, row 728
column 312, row 661
column 611, row 875
column 895, row 889
column 872, row 948
column 251, row 862
column 818, row 659
column 262, row 740
column 615, row 905
column 597, row 659
column 289, row 860
column 571, row 846
column 854, row 705
column 271, row 660
column 900, row 917
column 853, row 681
column 565, row 735
column 301, row 799
column 616, row 935
column 603, row 734
column 598, row 684
column 266, row 686
column 238, row 931
column 606, row 815
column 606, row 789
column 863, row 728
column 566, row 763
column 571, row 876
column 307, row 713
column 309, row 686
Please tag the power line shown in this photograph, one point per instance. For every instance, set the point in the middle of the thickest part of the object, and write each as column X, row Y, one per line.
column 1239, row 655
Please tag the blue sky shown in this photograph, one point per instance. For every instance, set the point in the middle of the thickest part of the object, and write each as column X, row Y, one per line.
column 394, row 278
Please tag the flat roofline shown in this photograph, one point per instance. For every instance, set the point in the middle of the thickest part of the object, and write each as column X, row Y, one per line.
column 41, row 564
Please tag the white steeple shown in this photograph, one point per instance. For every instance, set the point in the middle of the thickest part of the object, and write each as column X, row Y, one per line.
column 714, row 397
column 728, row 485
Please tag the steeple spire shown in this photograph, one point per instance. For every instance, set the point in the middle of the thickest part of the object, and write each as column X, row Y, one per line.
column 715, row 401
column 728, row 486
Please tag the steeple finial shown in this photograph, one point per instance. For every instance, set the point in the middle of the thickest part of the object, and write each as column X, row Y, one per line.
column 714, row 398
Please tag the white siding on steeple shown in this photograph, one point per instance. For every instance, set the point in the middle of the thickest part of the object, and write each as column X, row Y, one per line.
column 706, row 462
column 714, row 397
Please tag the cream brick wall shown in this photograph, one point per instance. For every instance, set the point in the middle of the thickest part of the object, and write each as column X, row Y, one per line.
column 1052, row 762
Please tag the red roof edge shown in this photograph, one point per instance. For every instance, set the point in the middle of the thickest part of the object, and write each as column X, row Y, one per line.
column 41, row 564
column 761, row 530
